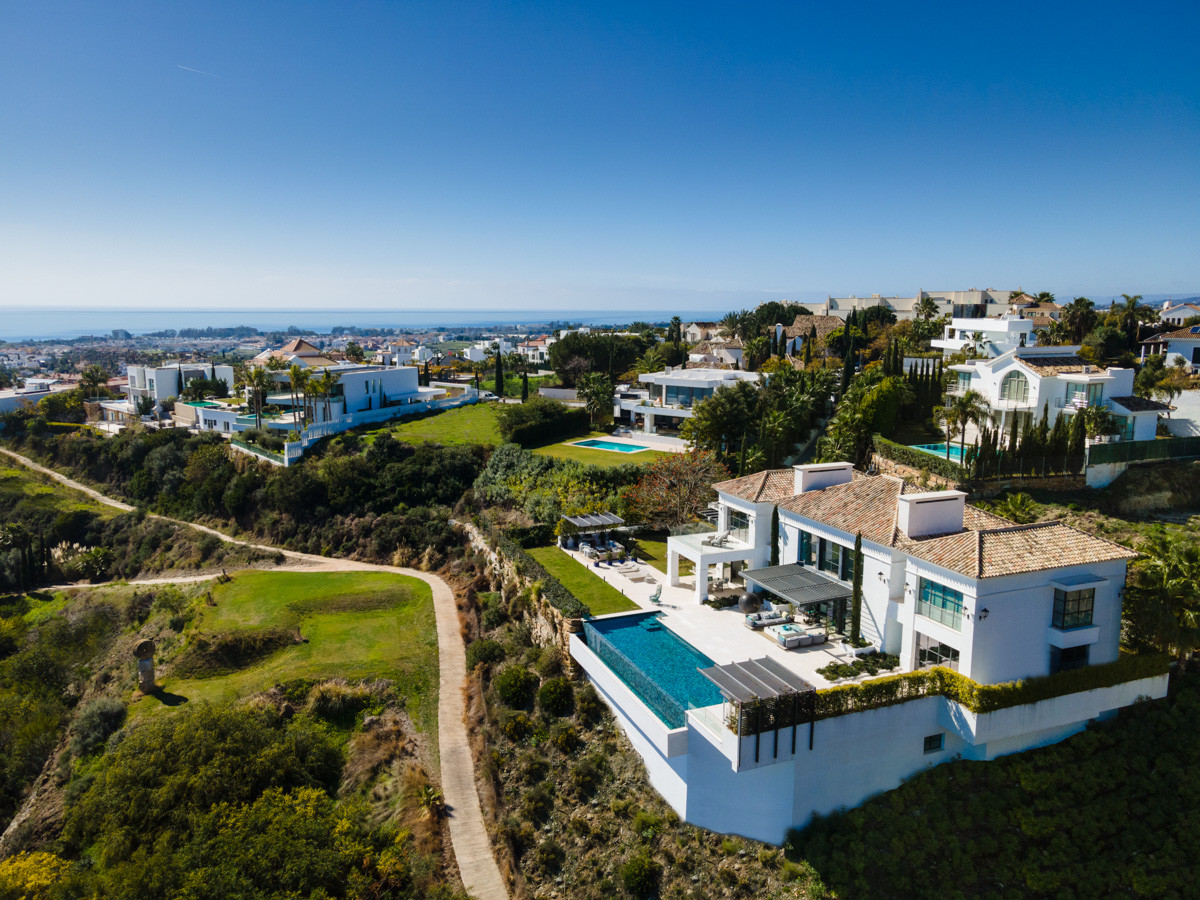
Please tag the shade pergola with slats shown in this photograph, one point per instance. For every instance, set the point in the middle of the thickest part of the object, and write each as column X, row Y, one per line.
column 764, row 695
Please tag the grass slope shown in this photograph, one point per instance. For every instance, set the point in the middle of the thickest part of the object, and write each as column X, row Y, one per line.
column 21, row 487
column 601, row 597
column 474, row 424
column 355, row 625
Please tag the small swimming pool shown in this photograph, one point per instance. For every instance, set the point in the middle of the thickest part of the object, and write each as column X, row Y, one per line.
column 200, row 404
column 657, row 664
column 594, row 444
column 940, row 450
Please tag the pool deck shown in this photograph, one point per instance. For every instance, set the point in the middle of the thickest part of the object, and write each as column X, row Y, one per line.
column 661, row 443
column 720, row 634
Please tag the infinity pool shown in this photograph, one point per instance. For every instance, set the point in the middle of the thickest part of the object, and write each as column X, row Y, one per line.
column 610, row 445
column 940, row 450
column 658, row 665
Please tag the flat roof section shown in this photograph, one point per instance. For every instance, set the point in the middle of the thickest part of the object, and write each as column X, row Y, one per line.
column 797, row 584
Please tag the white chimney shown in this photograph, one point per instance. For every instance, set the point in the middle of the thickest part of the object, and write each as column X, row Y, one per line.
column 935, row 512
column 816, row 476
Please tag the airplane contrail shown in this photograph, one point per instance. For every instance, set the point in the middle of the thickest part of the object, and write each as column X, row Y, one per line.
column 198, row 71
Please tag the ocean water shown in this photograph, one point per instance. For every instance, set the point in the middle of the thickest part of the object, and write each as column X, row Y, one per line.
column 63, row 323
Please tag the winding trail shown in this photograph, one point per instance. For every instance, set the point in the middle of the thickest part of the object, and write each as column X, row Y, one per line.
column 468, row 835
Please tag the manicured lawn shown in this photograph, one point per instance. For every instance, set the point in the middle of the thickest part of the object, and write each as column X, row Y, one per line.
column 652, row 547
column 474, row 424
column 355, row 625
column 564, row 450
column 601, row 597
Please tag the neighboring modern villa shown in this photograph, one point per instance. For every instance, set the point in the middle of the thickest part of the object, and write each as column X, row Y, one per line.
column 738, row 733
column 958, row 304
column 669, row 395
column 989, row 337
column 1026, row 380
column 159, row 383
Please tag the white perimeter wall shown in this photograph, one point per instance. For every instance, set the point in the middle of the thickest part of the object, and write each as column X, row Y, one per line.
column 853, row 757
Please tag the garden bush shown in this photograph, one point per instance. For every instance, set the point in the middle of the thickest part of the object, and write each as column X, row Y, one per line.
column 516, row 726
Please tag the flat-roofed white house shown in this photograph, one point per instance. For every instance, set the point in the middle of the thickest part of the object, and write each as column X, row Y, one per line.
column 1023, row 382
column 971, row 303
column 945, row 586
column 668, row 396
column 1179, row 346
column 990, row 337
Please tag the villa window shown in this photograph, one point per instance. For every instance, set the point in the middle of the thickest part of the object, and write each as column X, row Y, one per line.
column 934, row 653
column 935, row 742
column 964, row 382
column 940, row 603
column 739, row 526
column 1073, row 609
column 1015, row 387
column 1064, row 659
column 836, row 559
column 806, row 553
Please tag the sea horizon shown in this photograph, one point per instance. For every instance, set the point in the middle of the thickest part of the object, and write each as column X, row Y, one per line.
column 66, row 323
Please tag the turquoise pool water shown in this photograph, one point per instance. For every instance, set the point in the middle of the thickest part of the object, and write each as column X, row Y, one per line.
column 658, row 665
column 610, row 445
column 940, row 450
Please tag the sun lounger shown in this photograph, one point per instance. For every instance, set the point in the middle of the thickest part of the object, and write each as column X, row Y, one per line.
column 654, row 598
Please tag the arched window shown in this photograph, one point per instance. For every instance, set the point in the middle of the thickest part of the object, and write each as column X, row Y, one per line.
column 1015, row 386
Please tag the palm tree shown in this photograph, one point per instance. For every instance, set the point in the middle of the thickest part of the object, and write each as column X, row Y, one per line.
column 90, row 380
column 259, row 384
column 295, row 373
column 926, row 308
column 1166, row 597
column 962, row 410
column 303, row 384
column 325, row 385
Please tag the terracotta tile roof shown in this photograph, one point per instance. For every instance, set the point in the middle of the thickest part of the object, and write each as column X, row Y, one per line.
column 1044, row 304
column 866, row 504
column 1140, row 404
column 298, row 347
column 1041, row 321
column 987, row 547
column 772, row 485
column 1183, row 334
column 1053, row 365
column 803, row 326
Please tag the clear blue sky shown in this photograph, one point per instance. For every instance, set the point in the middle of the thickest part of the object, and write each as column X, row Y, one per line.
column 568, row 155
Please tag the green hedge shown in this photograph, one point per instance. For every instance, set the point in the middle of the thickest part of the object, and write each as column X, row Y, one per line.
column 983, row 698
column 573, row 423
column 918, row 459
column 553, row 589
column 531, row 536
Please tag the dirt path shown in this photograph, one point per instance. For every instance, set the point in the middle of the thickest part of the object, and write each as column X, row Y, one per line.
column 468, row 835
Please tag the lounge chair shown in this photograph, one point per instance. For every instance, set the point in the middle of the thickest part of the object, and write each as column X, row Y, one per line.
column 717, row 539
column 654, row 598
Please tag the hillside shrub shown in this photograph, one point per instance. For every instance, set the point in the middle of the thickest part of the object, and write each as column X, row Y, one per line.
column 515, row 686
column 640, row 874
column 541, row 420
column 557, row 697
column 95, row 723
column 484, row 652
column 589, row 708
column 516, row 726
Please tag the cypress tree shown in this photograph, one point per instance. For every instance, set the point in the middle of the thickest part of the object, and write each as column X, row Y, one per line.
column 1077, row 441
column 775, row 536
column 1057, row 445
column 499, row 373
column 856, row 597
column 524, row 386
column 808, row 345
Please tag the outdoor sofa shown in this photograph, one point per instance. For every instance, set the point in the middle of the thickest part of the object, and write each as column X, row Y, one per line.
column 758, row 620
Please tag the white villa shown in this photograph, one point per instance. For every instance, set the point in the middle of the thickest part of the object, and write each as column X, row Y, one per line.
column 1023, row 381
column 1180, row 345
column 990, row 337
column 669, row 396
column 745, row 744
column 159, row 383
column 1178, row 313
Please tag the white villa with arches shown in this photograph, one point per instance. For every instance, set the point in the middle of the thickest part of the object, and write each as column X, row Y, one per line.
column 1026, row 380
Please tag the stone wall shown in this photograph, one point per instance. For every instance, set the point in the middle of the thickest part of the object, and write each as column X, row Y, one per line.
column 980, row 490
column 885, row 466
column 547, row 625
